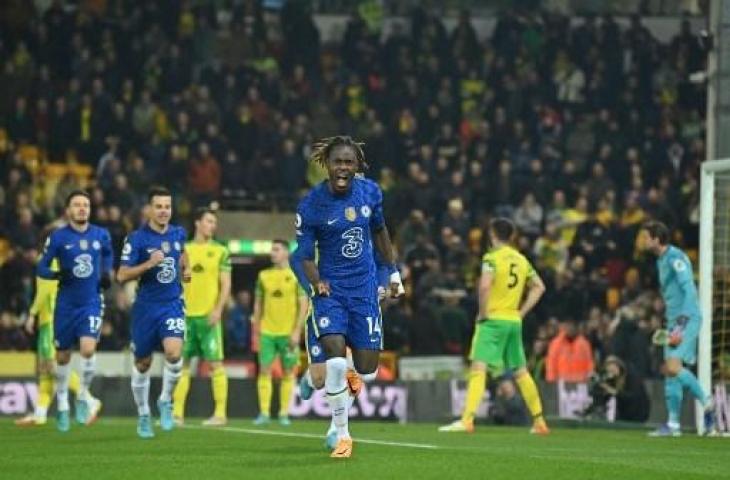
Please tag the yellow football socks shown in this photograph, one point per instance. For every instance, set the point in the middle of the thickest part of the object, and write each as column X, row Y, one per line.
column 474, row 393
column 530, row 395
column 180, row 394
column 264, row 387
column 219, row 382
column 287, row 386
column 45, row 390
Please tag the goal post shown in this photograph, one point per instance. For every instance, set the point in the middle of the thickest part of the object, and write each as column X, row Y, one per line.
column 714, row 277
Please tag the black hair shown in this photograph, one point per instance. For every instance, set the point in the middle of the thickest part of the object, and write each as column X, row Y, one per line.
column 503, row 228
column 77, row 193
column 282, row 242
column 321, row 150
column 657, row 229
column 157, row 191
column 203, row 211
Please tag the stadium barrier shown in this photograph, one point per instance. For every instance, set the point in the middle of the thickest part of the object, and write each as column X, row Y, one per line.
column 411, row 401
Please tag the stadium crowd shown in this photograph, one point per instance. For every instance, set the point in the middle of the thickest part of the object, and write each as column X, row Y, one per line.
column 578, row 131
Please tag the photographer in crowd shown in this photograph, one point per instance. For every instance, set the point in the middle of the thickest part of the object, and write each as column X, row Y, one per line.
column 617, row 380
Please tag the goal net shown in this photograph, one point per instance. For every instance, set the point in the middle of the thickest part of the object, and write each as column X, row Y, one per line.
column 714, row 287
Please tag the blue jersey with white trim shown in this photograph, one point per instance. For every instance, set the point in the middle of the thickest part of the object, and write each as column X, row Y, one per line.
column 161, row 283
column 83, row 257
column 340, row 228
column 677, row 285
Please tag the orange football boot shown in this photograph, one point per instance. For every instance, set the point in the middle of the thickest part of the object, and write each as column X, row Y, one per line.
column 343, row 449
column 354, row 382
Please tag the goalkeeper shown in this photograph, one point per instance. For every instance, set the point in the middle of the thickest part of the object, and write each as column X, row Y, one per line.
column 682, row 312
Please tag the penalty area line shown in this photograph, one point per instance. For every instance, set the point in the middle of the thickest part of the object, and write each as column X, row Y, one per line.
column 276, row 433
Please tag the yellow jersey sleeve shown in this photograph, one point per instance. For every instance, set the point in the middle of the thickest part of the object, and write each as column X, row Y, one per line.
column 489, row 264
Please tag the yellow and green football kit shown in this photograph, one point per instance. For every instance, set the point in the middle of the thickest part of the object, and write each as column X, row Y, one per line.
column 279, row 293
column 207, row 261
column 497, row 340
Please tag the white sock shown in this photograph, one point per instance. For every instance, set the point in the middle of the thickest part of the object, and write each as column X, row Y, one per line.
column 62, row 374
column 170, row 376
column 338, row 395
column 88, row 369
column 368, row 377
column 41, row 412
column 333, row 427
column 141, row 390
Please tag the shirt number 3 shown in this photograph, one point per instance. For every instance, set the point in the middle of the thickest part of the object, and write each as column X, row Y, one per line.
column 353, row 247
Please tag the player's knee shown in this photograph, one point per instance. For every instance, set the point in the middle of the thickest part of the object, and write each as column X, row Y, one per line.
column 142, row 364
column 45, row 367
column 520, row 372
column 318, row 382
column 265, row 370
column 317, row 373
column 63, row 357
column 174, row 365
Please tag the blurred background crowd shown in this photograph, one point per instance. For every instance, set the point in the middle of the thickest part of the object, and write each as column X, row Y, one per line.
column 579, row 129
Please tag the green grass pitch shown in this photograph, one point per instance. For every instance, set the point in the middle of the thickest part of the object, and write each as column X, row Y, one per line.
column 110, row 449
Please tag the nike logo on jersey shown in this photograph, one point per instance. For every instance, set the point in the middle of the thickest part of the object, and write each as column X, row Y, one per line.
column 69, row 247
column 150, row 250
column 330, row 222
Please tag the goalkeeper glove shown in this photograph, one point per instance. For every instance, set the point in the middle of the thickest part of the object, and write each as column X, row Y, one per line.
column 675, row 336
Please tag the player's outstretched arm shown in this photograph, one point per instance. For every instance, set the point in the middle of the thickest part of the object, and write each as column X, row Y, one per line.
column 536, row 288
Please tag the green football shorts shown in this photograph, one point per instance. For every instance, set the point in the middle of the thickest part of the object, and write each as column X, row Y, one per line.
column 273, row 345
column 202, row 340
column 498, row 343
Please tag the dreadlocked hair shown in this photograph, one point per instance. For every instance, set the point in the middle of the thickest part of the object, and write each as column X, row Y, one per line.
column 322, row 148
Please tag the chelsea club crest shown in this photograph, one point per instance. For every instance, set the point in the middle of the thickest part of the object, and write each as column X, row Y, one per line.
column 350, row 214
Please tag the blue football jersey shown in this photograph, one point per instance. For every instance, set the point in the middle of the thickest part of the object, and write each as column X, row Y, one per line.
column 340, row 228
column 161, row 283
column 677, row 285
column 83, row 257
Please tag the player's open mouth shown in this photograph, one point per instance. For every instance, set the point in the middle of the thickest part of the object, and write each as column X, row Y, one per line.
column 342, row 180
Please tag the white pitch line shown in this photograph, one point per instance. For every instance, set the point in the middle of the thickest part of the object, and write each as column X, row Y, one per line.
column 312, row 435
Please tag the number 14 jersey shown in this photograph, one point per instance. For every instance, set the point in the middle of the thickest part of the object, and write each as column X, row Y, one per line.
column 510, row 271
